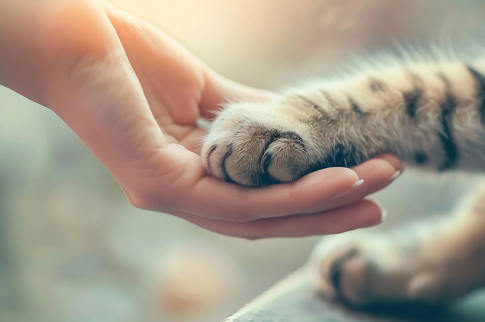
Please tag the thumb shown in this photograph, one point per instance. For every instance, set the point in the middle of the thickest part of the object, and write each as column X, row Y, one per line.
column 219, row 90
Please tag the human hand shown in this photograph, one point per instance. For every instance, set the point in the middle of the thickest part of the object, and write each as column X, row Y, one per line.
column 133, row 95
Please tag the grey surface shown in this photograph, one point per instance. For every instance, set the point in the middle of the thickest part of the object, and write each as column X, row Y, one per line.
column 294, row 300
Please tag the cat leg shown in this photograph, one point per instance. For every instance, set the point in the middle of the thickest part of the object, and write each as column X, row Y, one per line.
column 434, row 262
column 430, row 115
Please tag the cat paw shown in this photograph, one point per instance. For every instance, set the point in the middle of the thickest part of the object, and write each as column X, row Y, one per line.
column 342, row 271
column 252, row 145
column 360, row 269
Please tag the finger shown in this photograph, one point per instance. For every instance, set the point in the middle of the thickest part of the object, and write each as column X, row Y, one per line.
column 376, row 173
column 379, row 173
column 398, row 166
column 171, row 76
column 316, row 192
column 213, row 198
column 185, row 77
column 363, row 213
column 392, row 159
column 192, row 191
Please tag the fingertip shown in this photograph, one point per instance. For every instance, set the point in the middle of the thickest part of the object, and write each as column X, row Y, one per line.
column 393, row 160
column 362, row 214
column 381, row 169
column 376, row 214
column 346, row 176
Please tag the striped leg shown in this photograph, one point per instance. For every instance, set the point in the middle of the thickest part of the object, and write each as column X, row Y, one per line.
column 431, row 115
column 435, row 262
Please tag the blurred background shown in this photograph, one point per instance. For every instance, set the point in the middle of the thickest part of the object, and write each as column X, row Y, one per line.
column 73, row 249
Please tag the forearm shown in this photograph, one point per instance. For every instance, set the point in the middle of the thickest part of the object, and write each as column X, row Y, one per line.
column 42, row 41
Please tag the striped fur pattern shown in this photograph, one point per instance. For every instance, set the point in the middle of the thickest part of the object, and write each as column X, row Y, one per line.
column 431, row 115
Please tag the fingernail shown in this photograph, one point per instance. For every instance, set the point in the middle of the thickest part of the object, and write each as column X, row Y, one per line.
column 358, row 183
column 383, row 215
column 395, row 175
column 355, row 185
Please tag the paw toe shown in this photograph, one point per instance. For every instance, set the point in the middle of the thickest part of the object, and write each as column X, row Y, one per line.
column 344, row 271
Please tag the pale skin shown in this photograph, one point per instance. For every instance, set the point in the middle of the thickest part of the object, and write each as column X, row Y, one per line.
column 133, row 95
